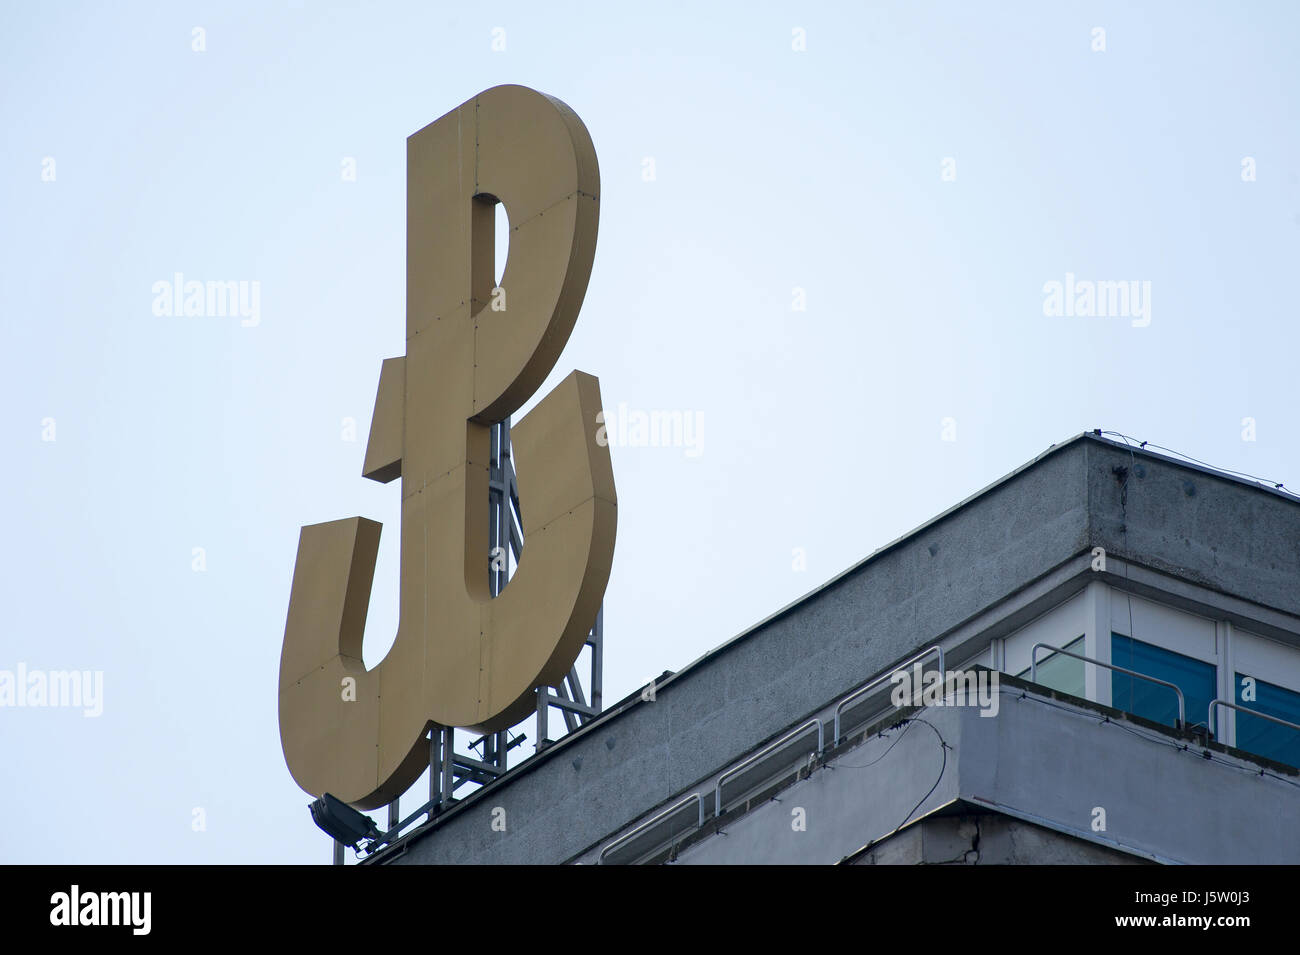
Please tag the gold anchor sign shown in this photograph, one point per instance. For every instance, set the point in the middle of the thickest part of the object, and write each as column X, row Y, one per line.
column 474, row 354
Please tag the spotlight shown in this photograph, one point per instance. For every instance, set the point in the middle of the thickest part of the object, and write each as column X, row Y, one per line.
column 341, row 821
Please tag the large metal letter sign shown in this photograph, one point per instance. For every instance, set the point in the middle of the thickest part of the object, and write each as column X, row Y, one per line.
column 474, row 354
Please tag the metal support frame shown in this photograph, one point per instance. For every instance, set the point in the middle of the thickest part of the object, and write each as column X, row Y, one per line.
column 487, row 757
column 568, row 697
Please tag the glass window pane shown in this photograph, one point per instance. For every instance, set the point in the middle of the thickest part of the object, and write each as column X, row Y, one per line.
column 1262, row 736
column 1060, row 672
column 1157, row 703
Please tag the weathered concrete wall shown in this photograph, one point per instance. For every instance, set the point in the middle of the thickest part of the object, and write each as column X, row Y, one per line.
column 1189, row 523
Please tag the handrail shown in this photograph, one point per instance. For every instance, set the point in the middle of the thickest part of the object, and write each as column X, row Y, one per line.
column 839, row 707
column 1033, row 674
column 793, row 734
column 1209, row 716
column 628, row 837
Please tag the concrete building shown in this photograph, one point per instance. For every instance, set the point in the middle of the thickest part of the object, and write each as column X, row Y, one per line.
column 787, row 744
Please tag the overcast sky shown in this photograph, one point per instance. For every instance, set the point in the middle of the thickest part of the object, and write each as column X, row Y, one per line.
column 828, row 237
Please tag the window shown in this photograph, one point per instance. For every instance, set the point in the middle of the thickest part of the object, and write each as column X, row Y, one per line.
column 1059, row 671
column 1157, row 703
column 1264, row 736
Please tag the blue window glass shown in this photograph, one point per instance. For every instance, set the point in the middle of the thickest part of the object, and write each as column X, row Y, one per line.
column 1155, row 702
column 1262, row 736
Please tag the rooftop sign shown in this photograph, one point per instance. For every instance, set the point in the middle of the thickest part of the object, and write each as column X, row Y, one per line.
column 475, row 352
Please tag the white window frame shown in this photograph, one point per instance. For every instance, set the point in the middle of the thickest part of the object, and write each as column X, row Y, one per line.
column 1260, row 657
column 1099, row 610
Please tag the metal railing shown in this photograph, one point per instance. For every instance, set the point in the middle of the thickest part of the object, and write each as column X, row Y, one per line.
column 884, row 677
column 650, row 823
column 765, row 751
column 1033, row 674
column 1209, row 716
column 751, row 761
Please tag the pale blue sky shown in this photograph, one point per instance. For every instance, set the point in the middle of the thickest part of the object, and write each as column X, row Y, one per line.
column 775, row 169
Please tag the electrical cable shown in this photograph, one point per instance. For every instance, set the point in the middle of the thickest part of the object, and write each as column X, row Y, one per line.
column 905, row 723
column 943, row 748
column 1143, row 445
